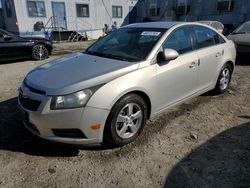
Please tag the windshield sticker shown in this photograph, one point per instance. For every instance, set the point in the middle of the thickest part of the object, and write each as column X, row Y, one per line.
column 150, row 33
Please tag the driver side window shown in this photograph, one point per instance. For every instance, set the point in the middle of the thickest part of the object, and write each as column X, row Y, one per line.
column 179, row 40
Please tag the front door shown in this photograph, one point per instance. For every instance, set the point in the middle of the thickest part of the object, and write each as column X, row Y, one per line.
column 177, row 79
column 59, row 16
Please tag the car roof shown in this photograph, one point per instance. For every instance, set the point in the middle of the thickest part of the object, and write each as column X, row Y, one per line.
column 161, row 25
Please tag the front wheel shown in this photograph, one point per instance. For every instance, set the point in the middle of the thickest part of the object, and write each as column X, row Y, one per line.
column 126, row 120
column 40, row 52
column 224, row 79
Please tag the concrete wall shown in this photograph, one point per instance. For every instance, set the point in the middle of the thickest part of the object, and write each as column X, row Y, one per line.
column 201, row 10
column 100, row 13
column 207, row 10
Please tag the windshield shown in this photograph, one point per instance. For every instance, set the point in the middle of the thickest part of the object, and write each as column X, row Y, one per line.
column 3, row 32
column 128, row 44
column 244, row 28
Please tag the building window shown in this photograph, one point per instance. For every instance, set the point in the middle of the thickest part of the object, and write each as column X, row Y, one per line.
column 82, row 10
column 182, row 9
column 153, row 10
column 8, row 8
column 225, row 5
column 117, row 11
column 36, row 8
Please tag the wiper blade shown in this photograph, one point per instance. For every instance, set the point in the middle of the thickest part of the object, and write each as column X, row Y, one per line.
column 236, row 33
column 116, row 57
column 106, row 55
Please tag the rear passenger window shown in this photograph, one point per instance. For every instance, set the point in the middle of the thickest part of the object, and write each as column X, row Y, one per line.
column 218, row 39
column 204, row 37
column 207, row 37
column 180, row 40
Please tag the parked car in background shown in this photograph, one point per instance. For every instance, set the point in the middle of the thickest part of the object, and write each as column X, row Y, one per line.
column 15, row 47
column 241, row 37
column 215, row 24
column 136, row 72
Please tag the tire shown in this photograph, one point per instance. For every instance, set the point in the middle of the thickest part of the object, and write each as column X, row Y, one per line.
column 224, row 79
column 125, row 121
column 40, row 52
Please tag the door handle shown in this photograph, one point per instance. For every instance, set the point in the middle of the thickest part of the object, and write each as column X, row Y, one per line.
column 218, row 54
column 192, row 65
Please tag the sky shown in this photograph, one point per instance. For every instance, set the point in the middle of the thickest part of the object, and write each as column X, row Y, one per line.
column 0, row 4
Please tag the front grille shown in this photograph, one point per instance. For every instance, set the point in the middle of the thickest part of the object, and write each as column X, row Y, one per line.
column 29, row 104
column 34, row 90
column 68, row 133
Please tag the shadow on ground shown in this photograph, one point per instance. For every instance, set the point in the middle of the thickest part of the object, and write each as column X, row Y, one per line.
column 223, row 161
column 243, row 60
column 15, row 137
column 15, row 61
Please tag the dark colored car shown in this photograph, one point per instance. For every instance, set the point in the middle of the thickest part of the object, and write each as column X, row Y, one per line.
column 241, row 37
column 15, row 47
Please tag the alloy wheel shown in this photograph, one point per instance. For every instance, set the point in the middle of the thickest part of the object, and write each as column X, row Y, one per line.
column 129, row 120
column 39, row 52
column 224, row 79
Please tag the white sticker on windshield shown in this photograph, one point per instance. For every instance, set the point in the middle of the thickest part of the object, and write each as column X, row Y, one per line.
column 150, row 33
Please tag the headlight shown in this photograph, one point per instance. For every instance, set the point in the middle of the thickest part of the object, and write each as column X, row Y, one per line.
column 74, row 100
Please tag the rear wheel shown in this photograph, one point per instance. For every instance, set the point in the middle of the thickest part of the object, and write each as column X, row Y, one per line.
column 224, row 79
column 40, row 52
column 126, row 120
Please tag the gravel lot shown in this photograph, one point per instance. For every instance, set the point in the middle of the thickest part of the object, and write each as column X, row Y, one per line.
column 202, row 143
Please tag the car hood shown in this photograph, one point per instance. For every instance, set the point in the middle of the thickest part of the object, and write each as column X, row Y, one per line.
column 75, row 72
column 240, row 38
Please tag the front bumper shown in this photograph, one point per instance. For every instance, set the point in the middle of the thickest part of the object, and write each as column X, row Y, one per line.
column 43, row 121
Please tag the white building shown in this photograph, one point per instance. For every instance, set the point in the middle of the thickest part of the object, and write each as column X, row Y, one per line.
column 21, row 16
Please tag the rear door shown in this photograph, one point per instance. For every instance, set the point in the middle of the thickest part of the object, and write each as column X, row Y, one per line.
column 210, row 50
column 177, row 79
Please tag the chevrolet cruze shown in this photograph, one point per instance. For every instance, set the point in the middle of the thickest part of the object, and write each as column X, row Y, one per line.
column 107, row 93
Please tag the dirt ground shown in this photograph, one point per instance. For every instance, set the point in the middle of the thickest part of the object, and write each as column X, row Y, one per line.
column 204, row 142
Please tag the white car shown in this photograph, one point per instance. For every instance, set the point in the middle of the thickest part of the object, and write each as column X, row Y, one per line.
column 136, row 72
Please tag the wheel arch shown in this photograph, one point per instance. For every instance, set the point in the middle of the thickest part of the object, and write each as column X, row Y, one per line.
column 145, row 98
column 231, row 64
column 138, row 92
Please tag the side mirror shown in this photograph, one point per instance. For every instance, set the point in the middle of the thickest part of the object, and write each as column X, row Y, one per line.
column 167, row 55
column 7, row 37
